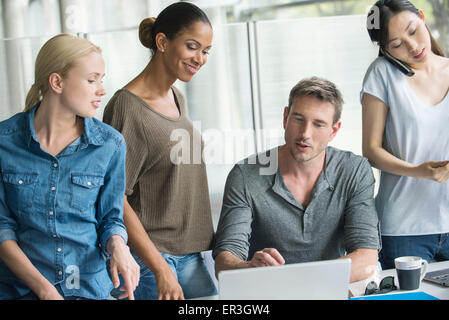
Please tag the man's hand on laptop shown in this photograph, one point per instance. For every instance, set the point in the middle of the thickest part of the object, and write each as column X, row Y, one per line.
column 267, row 257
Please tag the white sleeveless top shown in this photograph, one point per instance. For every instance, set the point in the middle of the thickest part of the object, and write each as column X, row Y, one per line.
column 416, row 133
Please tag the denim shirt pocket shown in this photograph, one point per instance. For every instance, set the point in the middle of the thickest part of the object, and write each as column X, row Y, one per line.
column 84, row 190
column 20, row 189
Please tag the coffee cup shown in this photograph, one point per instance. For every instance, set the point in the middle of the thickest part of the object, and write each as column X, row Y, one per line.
column 410, row 271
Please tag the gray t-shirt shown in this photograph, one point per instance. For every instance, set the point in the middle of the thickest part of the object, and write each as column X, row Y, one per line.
column 415, row 133
column 259, row 211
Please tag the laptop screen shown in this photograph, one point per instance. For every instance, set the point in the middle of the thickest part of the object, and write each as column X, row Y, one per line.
column 321, row 280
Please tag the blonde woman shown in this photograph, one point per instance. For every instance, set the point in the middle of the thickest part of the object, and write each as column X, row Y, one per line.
column 62, row 177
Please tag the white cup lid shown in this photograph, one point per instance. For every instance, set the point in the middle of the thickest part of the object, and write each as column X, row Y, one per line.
column 408, row 263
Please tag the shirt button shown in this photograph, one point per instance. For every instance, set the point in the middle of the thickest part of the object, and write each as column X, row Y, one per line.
column 20, row 181
column 59, row 249
column 60, row 273
column 50, row 213
column 53, row 188
column 54, row 236
column 55, row 165
column 89, row 183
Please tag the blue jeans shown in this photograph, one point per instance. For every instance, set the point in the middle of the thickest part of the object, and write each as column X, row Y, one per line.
column 190, row 270
column 433, row 247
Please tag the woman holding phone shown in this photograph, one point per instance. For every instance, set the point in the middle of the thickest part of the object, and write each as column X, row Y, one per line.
column 166, row 200
column 62, row 180
column 405, row 112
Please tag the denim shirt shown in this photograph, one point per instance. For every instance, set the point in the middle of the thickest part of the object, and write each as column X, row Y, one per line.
column 61, row 210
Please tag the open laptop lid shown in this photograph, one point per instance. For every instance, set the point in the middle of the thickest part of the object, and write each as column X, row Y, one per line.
column 321, row 280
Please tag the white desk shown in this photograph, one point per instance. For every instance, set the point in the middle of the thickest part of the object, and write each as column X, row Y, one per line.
column 433, row 289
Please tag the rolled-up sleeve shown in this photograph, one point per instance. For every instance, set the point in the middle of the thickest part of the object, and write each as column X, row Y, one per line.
column 110, row 204
column 8, row 224
column 361, row 220
column 234, row 226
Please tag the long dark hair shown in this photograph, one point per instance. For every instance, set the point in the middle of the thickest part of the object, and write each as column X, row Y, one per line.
column 173, row 19
column 386, row 9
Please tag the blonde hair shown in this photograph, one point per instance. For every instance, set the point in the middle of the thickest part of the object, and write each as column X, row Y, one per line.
column 57, row 55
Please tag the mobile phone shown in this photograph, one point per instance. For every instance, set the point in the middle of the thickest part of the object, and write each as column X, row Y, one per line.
column 405, row 68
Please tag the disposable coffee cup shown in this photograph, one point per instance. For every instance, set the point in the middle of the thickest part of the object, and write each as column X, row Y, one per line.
column 410, row 271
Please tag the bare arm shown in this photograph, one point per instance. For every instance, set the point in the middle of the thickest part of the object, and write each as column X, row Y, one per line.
column 363, row 263
column 18, row 262
column 123, row 262
column 141, row 244
column 226, row 260
column 374, row 115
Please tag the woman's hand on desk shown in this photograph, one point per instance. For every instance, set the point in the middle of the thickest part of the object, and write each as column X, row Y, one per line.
column 123, row 262
column 168, row 287
column 267, row 257
column 50, row 294
column 433, row 170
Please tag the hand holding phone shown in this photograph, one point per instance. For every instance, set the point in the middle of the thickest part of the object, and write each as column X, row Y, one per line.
column 405, row 68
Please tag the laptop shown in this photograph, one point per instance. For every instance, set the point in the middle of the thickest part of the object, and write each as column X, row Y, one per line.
column 439, row 277
column 321, row 280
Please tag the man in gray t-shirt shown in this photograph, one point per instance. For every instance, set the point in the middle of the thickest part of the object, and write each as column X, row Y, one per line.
column 303, row 201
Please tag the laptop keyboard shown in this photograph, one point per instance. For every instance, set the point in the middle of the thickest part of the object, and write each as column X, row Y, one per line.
column 441, row 277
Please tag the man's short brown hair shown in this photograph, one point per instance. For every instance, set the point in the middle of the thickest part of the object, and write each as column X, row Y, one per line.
column 321, row 89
